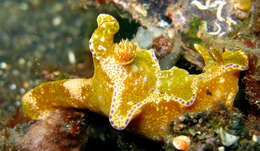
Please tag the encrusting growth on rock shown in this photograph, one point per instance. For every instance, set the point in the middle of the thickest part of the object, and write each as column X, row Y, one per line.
column 129, row 87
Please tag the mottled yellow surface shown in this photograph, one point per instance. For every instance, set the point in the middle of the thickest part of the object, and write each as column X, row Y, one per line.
column 137, row 94
column 243, row 4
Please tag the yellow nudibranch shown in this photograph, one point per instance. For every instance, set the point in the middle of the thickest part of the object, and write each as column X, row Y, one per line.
column 130, row 89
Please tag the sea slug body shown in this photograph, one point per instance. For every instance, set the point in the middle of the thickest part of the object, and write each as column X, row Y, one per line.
column 130, row 89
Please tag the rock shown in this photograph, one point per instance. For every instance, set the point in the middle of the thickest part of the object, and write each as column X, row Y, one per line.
column 226, row 138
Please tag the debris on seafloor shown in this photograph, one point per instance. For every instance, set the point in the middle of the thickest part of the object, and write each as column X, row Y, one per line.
column 217, row 15
column 252, row 81
column 61, row 131
column 166, row 50
column 218, row 128
column 226, row 138
column 163, row 46
column 144, row 37
column 218, row 18
column 256, row 17
column 138, row 91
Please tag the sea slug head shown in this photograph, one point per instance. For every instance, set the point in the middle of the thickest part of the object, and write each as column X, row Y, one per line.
column 107, row 24
column 124, row 52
